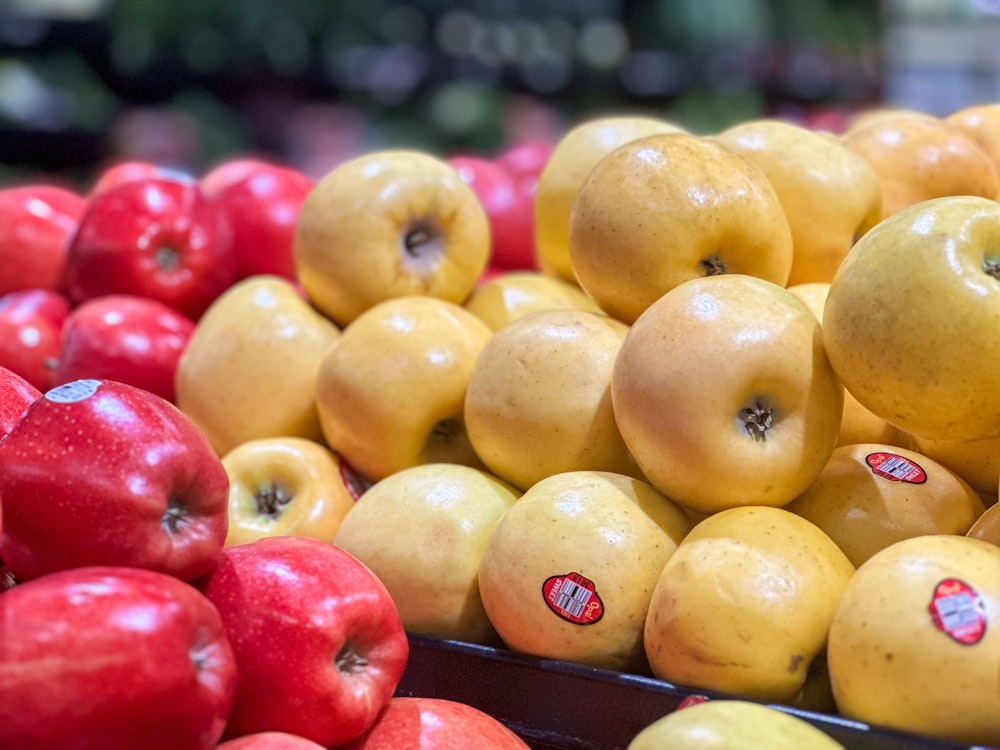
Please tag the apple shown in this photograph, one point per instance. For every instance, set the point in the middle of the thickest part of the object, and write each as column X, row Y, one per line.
column 230, row 170
column 121, row 172
column 31, row 322
column 669, row 208
column 387, row 224
column 567, row 571
column 16, row 395
column 743, row 605
column 390, row 393
column 987, row 526
column 422, row 531
column 423, row 723
column 510, row 210
column 114, row 658
column 287, row 486
column 981, row 122
column 263, row 209
column 160, row 238
column 525, row 161
column 98, row 472
column 508, row 295
column 269, row 741
column 260, row 343
column 917, row 348
column 318, row 641
column 36, row 224
column 125, row 337
column 724, row 395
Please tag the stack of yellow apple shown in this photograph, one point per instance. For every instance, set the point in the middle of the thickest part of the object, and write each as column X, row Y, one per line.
column 741, row 430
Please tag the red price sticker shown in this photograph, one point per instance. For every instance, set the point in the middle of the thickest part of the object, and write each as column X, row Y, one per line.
column 958, row 611
column 895, row 468
column 574, row 598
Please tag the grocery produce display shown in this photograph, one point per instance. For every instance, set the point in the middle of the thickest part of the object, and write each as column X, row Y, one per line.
column 643, row 438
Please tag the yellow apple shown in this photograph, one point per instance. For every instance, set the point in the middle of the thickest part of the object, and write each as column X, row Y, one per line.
column 910, row 319
column 919, row 158
column 569, row 568
column 976, row 461
column 914, row 643
column 539, row 398
column 869, row 115
column 870, row 495
column 387, row 224
column 744, row 603
column 723, row 394
column 249, row 368
column 987, row 526
column 668, row 208
column 981, row 122
column 422, row 531
column 572, row 158
column 513, row 294
column 733, row 725
column 284, row 486
column 391, row 392
column 830, row 194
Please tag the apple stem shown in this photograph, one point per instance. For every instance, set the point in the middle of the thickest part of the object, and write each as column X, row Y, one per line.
column 167, row 258
column 992, row 267
column 271, row 500
column 350, row 659
column 174, row 515
column 713, row 265
column 757, row 419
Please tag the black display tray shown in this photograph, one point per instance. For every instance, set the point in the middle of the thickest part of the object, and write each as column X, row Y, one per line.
column 558, row 705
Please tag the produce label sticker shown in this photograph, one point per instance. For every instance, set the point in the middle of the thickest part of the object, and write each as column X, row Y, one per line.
column 76, row 390
column 895, row 468
column 958, row 611
column 574, row 598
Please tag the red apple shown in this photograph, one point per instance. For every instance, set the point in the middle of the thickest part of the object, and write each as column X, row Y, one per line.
column 36, row 223
column 263, row 209
column 230, row 171
column 160, row 238
column 525, row 161
column 98, row 472
column 31, row 322
column 16, row 395
column 510, row 210
column 127, row 171
column 269, row 741
column 319, row 643
column 135, row 340
column 112, row 658
column 414, row 723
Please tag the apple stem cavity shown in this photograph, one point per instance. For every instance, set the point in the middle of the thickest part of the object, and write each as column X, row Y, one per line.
column 757, row 420
column 423, row 241
column 349, row 660
column 992, row 267
column 272, row 499
column 174, row 516
column 167, row 258
column 713, row 265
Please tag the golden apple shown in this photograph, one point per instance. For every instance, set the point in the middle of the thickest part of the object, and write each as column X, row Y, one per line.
column 919, row 158
column 744, row 603
column 668, row 208
column 976, row 461
column 913, row 644
column 391, row 392
column 569, row 568
column 388, row 224
column 987, row 526
column 723, row 394
column 830, row 194
column 284, row 486
column 572, row 158
column 910, row 319
column 981, row 122
column 733, row 725
column 422, row 531
column 513, row 294
column 249, row 369
column 539, row 398
column 870, row 495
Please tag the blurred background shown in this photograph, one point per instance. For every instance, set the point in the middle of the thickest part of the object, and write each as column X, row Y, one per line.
column 188, row 83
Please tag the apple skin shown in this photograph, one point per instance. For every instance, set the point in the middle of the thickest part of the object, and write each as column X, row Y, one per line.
column 36, row 223
column 16, row 395
column 161, row 238
column 230, row 171
column 126, row 171
column 124, row 337
column 269, row 741
column 419, row 723
column 319, row 643
column 31, row 322
column 98, row 472
column 263, row 210
column 112, row 658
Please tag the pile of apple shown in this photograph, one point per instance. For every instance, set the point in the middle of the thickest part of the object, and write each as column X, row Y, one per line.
column 728, row 415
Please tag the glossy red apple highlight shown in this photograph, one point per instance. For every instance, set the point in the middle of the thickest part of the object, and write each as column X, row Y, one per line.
column 16, row 395
column 31, row 322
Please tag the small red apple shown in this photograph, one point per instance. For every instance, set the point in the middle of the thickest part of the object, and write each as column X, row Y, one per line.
column 269, row 741
column 525, row 161
column 416, row 723
column 36, row 223
column 98, row 472
column 124, row 337
column 16, row 395
column 319, row 643
column 263, row 209
column 127, row 171
column 160, row 238
column 230, row 171
column 112, row 658
column 31, row 322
